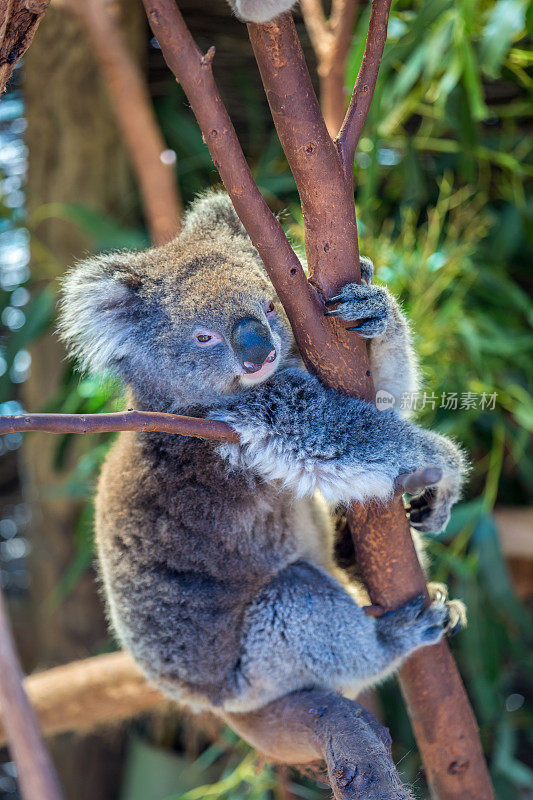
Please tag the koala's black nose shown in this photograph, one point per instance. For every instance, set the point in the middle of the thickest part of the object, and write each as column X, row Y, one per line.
column 252, row 343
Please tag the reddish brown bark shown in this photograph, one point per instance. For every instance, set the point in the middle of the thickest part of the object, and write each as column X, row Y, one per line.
column 120, row 421
column 36, row 775
column 19, row 19
column 132, row 106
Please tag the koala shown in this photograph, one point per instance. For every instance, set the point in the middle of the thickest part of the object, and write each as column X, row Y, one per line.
column 217, row 559
column 260, row 10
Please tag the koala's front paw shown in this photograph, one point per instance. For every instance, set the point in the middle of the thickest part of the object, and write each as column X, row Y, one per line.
column 429, row 511
column 413, row 625
column 368, row 304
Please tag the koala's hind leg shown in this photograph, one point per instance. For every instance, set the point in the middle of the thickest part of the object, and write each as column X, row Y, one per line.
column 304, row 630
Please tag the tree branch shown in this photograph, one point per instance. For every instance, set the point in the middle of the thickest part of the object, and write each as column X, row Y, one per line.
column 363, row 91
column 120, row 421
column 132, row 106
column 318, row 28
column 298, row 729
column 326, row 194
column 36, row 775
column 19, row 19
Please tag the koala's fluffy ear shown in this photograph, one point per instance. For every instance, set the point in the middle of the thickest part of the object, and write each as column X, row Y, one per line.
column 211, row 214
column 260, row 10
column 100, row 311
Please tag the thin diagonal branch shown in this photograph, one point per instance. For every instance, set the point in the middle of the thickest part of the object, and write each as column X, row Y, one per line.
column 363, row 91
column 36, row 775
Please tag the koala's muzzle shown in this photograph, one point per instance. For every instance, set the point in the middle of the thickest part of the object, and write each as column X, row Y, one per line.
column 252, row 343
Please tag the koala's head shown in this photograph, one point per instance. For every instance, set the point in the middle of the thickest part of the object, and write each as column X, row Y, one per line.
column 183, row 323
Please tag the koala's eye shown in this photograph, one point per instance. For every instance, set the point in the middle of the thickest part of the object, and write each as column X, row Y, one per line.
column 207, row 338
column 270, row 309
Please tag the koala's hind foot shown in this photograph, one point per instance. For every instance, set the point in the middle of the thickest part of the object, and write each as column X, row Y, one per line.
column 457, row 618
column 358, row 752
column 370, row 305
column 413, row 625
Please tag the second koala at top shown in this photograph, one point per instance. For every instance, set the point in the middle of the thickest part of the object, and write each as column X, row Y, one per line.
column 217, row 559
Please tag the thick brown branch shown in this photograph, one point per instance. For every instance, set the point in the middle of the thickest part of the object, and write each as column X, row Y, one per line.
column 120, row 421
column 19, row 19
column 326, row 194
column 363, row 91
column 297, row 729
column 132, row 106
column 36, row 776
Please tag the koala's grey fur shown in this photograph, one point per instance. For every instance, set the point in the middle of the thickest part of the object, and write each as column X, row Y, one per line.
column 260, row 10
column 217, row 559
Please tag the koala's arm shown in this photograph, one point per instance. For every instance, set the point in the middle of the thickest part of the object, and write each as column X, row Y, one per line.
column 296, row 431
column 392, row 358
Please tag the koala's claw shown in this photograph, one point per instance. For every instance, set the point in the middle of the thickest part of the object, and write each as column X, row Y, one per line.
column 456, row 616
column 330, row 301
column 428, row 511
column 368, row 304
